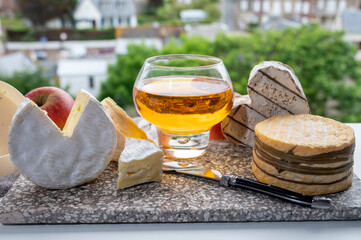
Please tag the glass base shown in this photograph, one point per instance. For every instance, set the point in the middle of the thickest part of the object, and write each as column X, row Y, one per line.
column 183, row 146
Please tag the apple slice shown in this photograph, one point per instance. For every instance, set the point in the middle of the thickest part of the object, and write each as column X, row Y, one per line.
column 57, row 159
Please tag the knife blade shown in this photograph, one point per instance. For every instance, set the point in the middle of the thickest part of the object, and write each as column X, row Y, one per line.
column 231, row 180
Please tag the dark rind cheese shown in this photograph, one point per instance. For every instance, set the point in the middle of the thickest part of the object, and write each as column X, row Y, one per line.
column 273, row 89
column 304, row 153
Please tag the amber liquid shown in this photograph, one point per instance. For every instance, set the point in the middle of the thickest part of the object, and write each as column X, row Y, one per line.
column 182, row 104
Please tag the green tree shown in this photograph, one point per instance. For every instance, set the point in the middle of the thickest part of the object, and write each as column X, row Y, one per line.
column 24, row 82
column 170, row 11
column 322, row 60
column 41, row 11
column 122, row 75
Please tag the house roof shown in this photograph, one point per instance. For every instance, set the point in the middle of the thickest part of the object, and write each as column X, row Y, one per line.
column 351, row 20
column 114, row 8
column 16, row 62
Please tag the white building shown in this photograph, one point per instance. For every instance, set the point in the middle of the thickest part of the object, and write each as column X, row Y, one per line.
column 193, row 15
column 351, row 22
column 105, row 13
column 259, row 11
column 16, row 62
column 121, row 46
column 87, row 74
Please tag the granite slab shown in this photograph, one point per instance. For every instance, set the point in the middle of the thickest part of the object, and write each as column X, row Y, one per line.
column 178, row 198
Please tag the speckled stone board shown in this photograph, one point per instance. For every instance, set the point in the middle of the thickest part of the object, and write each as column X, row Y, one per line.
column 178, row 198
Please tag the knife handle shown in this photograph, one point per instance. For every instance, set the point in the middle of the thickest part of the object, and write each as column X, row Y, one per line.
column 230, row 180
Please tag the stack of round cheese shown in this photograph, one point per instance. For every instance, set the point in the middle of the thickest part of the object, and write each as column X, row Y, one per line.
column 304, row 153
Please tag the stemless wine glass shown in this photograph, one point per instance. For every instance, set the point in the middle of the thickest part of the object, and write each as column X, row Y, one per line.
column 183, row 95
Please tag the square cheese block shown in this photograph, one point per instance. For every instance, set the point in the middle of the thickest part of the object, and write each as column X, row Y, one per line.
column 140, row 162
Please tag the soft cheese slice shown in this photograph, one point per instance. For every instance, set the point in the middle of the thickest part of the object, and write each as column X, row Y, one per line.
column 125, row 126
column 57, row 160
column 10, row 99
column 140, row 162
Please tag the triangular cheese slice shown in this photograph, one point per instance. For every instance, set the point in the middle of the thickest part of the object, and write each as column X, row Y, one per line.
column 54, row 159
column 125, row 126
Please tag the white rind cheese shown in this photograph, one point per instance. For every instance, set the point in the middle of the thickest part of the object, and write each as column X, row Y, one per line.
column 10, row 99
column 124, row 125
column 141, row 161
column 274, row 89
column 52, row 159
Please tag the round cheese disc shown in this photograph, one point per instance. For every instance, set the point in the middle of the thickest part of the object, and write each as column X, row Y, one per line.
column 305, row 134
column 304, row 153
column 54, row 159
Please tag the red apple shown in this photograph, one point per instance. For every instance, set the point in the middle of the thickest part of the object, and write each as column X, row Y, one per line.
column 55, row 101
column 216, row 132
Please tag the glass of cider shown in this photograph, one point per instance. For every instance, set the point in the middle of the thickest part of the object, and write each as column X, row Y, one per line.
column 183, row 95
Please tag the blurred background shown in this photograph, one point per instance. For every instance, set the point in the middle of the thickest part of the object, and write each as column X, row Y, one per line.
column 100, row 45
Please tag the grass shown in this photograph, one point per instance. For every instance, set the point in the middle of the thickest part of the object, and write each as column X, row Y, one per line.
column 14, row 24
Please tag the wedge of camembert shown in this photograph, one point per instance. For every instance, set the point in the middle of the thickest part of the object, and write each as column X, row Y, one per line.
column 140, row 162
column 125, row 126
column 57, row 159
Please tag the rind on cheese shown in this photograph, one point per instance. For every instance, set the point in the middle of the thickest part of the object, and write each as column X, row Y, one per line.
column 304, row 153
column 57, row 160
column 125, row 126
column 312, row 189
column 305, row 134
column 140, row 162
column 273, row 89
column 10, row 99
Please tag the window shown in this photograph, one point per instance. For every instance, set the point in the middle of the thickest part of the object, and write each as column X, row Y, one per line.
column 120, row 20
column 91, row 82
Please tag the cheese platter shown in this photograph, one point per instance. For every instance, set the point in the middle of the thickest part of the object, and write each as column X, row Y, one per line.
column 178, row 198
column 101, row 166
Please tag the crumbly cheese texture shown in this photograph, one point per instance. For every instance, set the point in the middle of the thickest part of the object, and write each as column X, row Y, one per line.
column 58, row 160
column 140, row 162
column 124, row 125
column 305, row 134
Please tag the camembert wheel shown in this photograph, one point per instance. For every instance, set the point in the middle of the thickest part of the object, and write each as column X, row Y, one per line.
column 57, row 159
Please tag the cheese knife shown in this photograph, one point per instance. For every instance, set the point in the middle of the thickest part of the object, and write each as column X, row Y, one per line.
column 231, row 180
